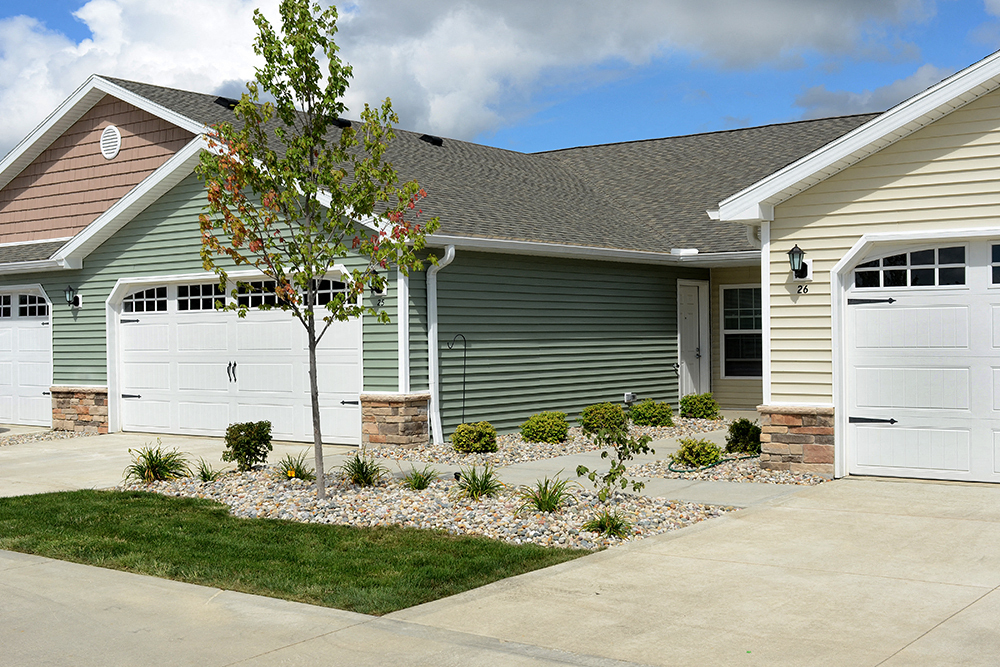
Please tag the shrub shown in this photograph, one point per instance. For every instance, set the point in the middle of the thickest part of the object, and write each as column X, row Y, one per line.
column 547, row 495
column 362, row 470
column 155, row 464
column 648, row 413
column 696, row 453
column 699, row 406
column 744, row 437
column 205, row 473
column 621, row 448
column 247, row 443
column 607, row 416
column 474, row 438
column 545, row 427
column 476, row 485
column 295, row 467
column 611, row 524
column 418, row 480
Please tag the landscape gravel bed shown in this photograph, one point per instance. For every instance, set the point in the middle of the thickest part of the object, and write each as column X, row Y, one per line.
column 262, row 493
column 742, row 470
column 511, row 447
column 17, row 439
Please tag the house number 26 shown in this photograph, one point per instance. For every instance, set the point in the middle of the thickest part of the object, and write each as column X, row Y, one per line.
column 803, row 289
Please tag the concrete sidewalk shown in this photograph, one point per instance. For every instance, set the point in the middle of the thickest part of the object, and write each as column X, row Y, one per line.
column 857, row 572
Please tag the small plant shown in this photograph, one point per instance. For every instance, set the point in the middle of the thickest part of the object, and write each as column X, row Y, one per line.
column 294, row 467
column 744, row 437
column 362, row 470
column 477, row 485
column 696, row 453
column 547, row 495
column 648, row 413
column 545, row 427
column 600, row 416
column 155, row 464
column 418, row 480
column 699, row 406
column 205, row 473
column 474, row 438
column 611, row 524
column 247, row 443
column 625, row 447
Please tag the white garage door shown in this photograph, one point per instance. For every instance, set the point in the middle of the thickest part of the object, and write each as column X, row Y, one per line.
column 924, row 364
column 25, row 360
column 188, row 368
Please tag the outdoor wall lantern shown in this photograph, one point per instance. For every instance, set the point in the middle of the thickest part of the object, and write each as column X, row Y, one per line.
column 73, row 297
column 796, row 257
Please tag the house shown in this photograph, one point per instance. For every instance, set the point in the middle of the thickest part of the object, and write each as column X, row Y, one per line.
column 882, row 355
column 565, row 278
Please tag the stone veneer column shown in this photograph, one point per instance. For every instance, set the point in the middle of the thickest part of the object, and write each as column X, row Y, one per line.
column 798, row 439
column 394, row 419
column 80, row 409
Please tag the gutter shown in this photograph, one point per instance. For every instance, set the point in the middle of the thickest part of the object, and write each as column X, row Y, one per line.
column 708, row 260
column 38, row 265
column 433, row 366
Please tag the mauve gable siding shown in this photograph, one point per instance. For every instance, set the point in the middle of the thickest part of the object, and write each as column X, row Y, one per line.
column 70, row 184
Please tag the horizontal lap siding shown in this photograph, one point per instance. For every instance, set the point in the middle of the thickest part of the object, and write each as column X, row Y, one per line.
column 943, row 176
column 379, row 347
column 418, row 331
column 549, row 334
column 731, row 392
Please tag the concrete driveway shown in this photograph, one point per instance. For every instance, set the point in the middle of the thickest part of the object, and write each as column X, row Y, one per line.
column 852, row 572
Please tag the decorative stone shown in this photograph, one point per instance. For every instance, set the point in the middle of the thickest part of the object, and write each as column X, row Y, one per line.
column 395, row 419
column 800, row 439
column 80, row 409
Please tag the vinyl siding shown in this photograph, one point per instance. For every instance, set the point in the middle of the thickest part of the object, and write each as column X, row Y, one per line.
column 744, row 393
column 942, row 176
column 418, row 330
column 164, row 239
column 554, row 334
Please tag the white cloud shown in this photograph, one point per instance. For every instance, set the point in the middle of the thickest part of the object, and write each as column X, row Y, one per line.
column 819, row 102
column 452, row 68
column 992, row 7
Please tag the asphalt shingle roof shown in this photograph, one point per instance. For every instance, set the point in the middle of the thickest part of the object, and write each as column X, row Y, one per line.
column 29, row 252
column 644, row 195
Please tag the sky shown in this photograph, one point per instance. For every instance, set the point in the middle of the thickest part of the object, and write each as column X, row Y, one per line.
column 524, row 75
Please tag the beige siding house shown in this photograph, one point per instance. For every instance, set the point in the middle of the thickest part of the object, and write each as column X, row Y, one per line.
column 885, row 359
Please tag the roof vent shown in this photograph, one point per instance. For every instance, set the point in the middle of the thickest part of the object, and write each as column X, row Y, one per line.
column 227, row 102
column 111, row 142
column 432, row 140
column 341, row 122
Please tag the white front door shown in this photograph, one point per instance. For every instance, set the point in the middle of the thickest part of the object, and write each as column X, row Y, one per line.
column 923, row 386
column 197, row 370
column 25, row 359
column 693, row 337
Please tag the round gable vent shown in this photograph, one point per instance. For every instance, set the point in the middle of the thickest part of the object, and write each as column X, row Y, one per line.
column 111, row 142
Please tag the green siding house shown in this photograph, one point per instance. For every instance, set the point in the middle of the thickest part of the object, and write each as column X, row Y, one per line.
column 564, row 279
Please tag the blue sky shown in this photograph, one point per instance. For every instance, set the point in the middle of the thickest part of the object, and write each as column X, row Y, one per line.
column 527, row 76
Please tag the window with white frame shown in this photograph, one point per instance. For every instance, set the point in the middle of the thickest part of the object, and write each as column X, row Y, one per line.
column 928, row 267
column 30, row 305
column 5, row 306
column 254, row 293
column 326, row 290
column 742, row 324
column 150, row 300
column 200, row 297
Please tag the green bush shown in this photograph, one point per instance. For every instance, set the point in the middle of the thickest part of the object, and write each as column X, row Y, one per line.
column 608, row 416
column 545, row 427
column 699, row 406
column 474, row 438
column 648, row 413
column 696, row 453
column 247, row 443
column 156, row 464
column 744, row 437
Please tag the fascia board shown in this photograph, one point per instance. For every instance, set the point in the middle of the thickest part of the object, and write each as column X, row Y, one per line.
column 31, row 267
column 748, row 205
column 169, row 174
column 709, row 260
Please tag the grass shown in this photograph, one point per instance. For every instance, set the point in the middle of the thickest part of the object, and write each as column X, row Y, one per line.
column 476, row 485
column 547, row 495
column 418, row 480
column 368, row 570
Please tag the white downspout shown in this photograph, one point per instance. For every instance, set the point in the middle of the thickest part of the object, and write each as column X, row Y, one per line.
column 437, row 436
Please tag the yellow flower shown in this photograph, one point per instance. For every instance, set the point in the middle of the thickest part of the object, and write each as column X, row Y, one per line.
column 291, row 473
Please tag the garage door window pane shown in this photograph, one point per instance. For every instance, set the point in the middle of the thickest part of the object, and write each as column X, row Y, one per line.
column 952, row 256
column 947, row 270
column 922, row 258
column 866, row 279
column 256, row 293
column 200, row 297
column 5, row 305
column 894, row 278
column 29, row 305
column 326, row 290
column 152, row 300
column 920, row 277
column 954, row 276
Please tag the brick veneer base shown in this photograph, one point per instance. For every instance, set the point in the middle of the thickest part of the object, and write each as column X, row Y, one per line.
column 799, row 439
column 83, row 409
column 394, row 419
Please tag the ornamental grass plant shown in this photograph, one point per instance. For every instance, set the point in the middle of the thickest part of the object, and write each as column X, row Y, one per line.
column 156, row 464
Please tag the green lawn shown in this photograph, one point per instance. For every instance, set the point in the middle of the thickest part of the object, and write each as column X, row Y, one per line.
column 368, row 570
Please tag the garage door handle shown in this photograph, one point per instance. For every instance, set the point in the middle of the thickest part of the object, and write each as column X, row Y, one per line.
column 349, row 402
column 131, row 396
column 234, row 371
column 869, row 420
column 229, row 371
column 46, row 393
column 855, row 302
column 128, row 321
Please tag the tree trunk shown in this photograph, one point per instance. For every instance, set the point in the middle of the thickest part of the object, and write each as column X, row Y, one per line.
column 314, row 396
